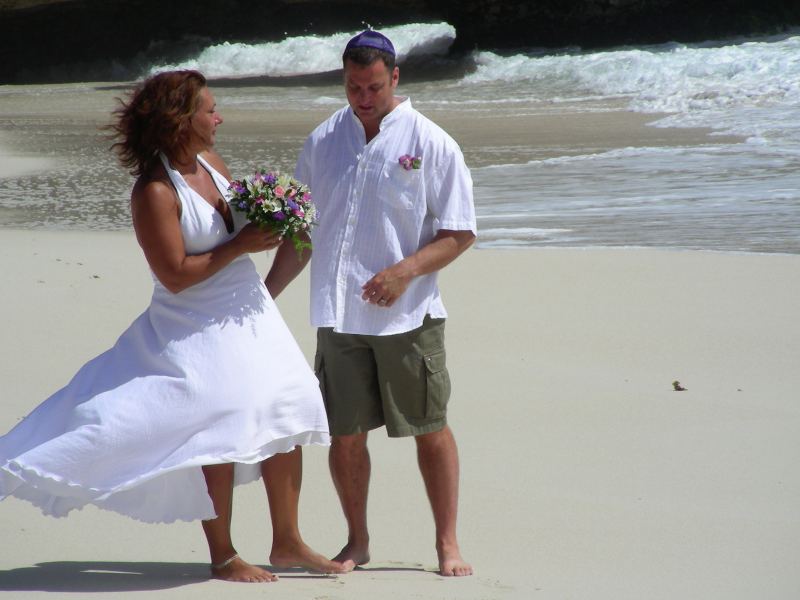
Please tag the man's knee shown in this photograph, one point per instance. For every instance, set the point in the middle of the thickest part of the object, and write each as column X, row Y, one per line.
column 432, row 439
column 349, row 443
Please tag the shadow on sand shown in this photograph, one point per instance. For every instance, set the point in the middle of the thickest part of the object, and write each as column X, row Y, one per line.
column 88, row 576
column 98, row 576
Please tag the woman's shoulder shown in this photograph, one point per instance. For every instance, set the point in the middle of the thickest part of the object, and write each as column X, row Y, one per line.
column 154, row 184
column 215, row 160
column 153, row 192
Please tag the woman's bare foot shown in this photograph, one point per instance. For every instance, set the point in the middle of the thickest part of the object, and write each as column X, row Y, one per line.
column 239, row 570
column 451, row 564
column 300, row 555
column 352, row 556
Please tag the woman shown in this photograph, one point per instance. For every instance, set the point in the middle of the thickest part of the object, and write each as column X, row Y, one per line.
column 208, row 377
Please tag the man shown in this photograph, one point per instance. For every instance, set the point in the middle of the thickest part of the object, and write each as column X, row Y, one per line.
column 395, row 200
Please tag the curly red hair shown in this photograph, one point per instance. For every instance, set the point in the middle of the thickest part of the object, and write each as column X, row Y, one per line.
column 156, row 118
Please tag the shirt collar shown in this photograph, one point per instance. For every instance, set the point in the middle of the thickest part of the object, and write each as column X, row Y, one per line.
column 396, row 113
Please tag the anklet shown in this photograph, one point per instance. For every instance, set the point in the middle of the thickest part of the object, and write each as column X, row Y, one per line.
column 224, row 563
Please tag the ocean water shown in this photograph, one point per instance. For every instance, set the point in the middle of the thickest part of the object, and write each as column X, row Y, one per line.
column 737, row 194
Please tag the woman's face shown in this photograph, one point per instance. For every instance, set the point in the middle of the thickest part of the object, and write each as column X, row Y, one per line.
column 205, row 120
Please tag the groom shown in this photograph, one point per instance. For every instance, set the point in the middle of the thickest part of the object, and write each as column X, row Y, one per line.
column 396, row 202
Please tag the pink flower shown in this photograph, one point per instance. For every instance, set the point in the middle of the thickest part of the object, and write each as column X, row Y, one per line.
column 291, row 193
column 279, row 191
column 409, row 162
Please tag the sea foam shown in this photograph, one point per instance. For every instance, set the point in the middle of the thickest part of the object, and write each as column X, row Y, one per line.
column 310, row 54
column 705, row 84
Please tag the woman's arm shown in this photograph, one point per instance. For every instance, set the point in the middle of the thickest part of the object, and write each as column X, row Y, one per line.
column 156, row 212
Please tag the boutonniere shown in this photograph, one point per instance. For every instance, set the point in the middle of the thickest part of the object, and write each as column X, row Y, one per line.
column 409, row 162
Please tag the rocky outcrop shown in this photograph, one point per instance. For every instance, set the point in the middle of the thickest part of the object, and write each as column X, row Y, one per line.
column 63, row 40
column 603, row 23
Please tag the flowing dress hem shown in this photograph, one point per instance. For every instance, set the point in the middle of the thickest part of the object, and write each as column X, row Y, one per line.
column 43, row 490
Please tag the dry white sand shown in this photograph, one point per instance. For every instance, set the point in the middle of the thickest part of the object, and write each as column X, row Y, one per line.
column 584, row 475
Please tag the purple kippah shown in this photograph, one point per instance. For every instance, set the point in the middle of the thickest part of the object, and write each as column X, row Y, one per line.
column 371, row 39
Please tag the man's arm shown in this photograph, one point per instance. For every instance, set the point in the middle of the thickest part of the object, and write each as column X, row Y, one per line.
column 285, row 267
column 388, row 285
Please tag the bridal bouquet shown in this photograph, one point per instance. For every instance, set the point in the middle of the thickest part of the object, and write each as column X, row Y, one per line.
column 277, row 202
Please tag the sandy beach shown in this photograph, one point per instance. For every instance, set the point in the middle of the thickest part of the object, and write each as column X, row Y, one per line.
column 584, row 474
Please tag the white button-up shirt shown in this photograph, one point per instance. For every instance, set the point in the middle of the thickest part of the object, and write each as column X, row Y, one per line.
column 373, row 213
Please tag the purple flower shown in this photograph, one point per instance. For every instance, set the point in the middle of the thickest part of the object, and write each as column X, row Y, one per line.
column 242, row 204
column 269, row 179
column 291, row 204
column 237, row 188
column 278, row 216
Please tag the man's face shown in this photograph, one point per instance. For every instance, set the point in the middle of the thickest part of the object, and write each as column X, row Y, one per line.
column 370, row 90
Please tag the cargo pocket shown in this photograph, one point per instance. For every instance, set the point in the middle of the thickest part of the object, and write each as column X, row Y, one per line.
column 438, row 384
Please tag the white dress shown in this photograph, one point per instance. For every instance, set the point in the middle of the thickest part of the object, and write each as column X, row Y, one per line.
column 206, row 376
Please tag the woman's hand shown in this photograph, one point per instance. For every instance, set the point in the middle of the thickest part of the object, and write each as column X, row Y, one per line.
column 254, row 239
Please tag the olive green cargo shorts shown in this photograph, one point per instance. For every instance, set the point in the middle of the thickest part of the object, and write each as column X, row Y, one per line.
column 400, row 380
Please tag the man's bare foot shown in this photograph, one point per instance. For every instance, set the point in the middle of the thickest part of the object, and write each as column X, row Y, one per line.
column 300, row 555
column 451, row 564
column 352, row 556
column 239, row 570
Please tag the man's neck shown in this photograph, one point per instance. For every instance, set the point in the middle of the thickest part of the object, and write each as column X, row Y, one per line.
column 370, row 131
column 373, row 128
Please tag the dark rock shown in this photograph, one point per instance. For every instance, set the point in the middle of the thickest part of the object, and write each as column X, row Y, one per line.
column 76, row 40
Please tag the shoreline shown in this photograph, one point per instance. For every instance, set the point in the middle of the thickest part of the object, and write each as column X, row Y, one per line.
column 16, row 230
column 633, row 183
column 494, row 138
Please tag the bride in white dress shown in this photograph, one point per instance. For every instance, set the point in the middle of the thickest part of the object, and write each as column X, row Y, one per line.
column 207, row 387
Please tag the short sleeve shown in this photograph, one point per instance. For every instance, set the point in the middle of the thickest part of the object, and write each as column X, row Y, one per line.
column 449, row 190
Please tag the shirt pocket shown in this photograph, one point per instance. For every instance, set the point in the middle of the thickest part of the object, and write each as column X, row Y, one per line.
column 402, row 188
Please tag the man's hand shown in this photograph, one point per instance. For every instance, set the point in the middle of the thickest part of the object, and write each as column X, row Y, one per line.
column 387, row 286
